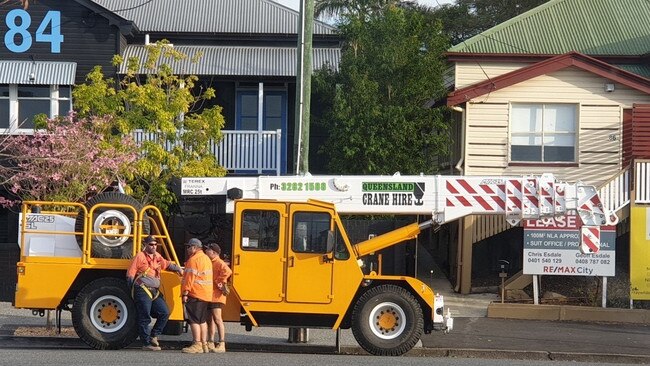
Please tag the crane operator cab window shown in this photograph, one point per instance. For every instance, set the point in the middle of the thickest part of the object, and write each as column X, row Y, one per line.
column 260, row 230
column 310, row 232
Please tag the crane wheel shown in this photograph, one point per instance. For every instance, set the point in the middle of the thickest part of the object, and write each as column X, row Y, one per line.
column 104, row 315
column 387, row 321
column 107, row 221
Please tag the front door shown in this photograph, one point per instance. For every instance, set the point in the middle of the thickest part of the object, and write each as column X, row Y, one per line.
column 258, row 251
column 309, row 271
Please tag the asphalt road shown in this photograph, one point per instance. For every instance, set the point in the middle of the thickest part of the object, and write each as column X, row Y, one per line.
column 132, row 357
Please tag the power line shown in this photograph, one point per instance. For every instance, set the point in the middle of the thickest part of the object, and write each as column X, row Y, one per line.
column 126, row 9
column 506, row 43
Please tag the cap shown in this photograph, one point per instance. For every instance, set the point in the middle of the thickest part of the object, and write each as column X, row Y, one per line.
column 149, row 239
column 213, row 246
column 194, row 242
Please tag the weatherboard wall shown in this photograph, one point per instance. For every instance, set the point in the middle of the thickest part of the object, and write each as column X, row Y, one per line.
column 468, row 73
column 600, row 116
column 88, row 39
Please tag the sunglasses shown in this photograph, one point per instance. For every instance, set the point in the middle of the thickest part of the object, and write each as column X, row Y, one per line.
column 152, row 244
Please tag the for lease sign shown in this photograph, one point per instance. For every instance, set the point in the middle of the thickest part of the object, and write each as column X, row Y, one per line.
column 551, row 247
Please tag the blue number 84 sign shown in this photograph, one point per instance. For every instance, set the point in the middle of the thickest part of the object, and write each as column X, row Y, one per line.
column 18, row 38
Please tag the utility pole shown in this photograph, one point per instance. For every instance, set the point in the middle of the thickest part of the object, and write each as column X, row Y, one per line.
column 303, row 86
column 303, row 98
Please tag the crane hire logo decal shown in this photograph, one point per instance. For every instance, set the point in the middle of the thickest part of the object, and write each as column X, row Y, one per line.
column 393, row 193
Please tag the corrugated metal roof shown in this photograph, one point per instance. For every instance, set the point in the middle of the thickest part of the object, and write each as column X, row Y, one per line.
column 44, row 72
column 642, row 70
column 593, row 27
column 240, row 61
column 210, row 16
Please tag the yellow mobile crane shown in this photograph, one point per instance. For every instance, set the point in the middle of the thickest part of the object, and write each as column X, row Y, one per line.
column 293, row 263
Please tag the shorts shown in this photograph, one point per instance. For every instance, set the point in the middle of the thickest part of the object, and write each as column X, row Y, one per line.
column 196, row 311
column 215, row 305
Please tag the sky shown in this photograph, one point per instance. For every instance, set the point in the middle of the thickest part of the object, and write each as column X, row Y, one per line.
column 294, row 4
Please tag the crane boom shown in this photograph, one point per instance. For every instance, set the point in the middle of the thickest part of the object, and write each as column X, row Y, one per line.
column 446, row 198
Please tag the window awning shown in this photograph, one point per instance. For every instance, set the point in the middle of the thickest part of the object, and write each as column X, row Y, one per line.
column 37, row 72
column 238, row 61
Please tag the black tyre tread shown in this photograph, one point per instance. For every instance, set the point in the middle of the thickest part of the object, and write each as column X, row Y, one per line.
column 394, row 347
column 81, row 321
column 125, row 250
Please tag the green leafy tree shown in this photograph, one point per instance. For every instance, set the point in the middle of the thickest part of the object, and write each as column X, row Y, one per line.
column 467, row 18
column 153, row 99
column 391, row 65
column 356, row 8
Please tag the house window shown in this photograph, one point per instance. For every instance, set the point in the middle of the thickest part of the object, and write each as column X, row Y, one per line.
column 543, row 133
column 274, row 110
column 19, row 104
column 248, row 114
column 4, row 107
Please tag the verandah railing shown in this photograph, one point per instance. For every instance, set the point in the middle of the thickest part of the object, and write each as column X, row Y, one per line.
column 240, row 151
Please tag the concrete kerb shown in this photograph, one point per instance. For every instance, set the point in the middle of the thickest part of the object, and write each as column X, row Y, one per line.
column 568, row 313
column 532, row 355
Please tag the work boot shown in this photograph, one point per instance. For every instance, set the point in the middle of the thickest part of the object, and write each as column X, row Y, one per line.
column 154, row 341
column 205, row 347
column 151, row 347
column 220, row 347
column 210, row 347
column 196, row 347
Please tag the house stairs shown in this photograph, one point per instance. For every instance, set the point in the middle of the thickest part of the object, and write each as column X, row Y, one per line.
column 615, row 195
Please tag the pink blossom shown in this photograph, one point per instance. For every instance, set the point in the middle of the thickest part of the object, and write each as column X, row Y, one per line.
column 68, row 153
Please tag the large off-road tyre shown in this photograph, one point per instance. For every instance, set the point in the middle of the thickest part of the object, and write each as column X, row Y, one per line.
column 387, row 321
column 111, row 221
column 104, row 315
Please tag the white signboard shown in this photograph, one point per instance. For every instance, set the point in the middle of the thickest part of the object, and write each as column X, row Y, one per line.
column 552, row 248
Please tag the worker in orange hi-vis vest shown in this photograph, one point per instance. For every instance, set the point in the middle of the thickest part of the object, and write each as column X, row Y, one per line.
column 220, row 274
column 196, row 289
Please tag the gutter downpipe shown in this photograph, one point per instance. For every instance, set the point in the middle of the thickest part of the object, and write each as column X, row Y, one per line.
column 460, row 169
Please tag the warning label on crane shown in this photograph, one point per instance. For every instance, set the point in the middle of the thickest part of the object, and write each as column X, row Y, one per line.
column 552, row 247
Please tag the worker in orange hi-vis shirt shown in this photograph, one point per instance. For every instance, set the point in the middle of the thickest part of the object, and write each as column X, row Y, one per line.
column 196, row 289
column 143, row 278
column 220, row 274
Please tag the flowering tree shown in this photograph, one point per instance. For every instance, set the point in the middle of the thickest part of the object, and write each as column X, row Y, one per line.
column 68, row 160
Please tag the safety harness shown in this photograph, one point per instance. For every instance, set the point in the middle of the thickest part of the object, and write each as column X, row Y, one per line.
column 143, row 274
